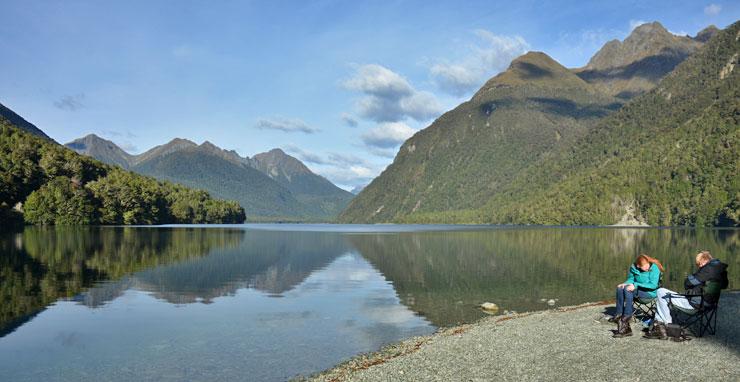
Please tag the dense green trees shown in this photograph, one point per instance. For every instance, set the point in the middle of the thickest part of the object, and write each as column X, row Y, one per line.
column 54, row 185
column 60, row 201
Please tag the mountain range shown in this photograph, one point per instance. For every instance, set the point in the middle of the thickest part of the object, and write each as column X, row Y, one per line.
column 645, row 133
column 270, row 186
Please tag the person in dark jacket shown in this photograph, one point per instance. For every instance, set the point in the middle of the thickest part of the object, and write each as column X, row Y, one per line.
column 708, row 269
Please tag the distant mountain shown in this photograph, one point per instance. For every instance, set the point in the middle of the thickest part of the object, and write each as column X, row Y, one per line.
column 102, row 150
column 19, row 122
column 312, row 190
column 471, row 152
column 627, row 68
column 541, row 144
column 273, row 185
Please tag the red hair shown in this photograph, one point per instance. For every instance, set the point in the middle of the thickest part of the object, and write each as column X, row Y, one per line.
column 645, row 259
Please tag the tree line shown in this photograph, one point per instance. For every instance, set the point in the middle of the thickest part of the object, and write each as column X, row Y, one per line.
column 42, row 182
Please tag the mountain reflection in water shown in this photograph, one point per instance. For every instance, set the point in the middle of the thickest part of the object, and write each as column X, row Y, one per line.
column 340, row 290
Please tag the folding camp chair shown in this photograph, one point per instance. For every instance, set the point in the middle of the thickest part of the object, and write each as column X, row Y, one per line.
column 705, row 314
column 645, row 308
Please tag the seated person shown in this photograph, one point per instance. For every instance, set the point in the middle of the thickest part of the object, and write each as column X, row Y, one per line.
column 642, row 281
column 709, row 269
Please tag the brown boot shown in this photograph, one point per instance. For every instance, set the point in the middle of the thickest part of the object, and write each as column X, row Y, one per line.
column 615, row 319
column 623, row 328
column 658, row 332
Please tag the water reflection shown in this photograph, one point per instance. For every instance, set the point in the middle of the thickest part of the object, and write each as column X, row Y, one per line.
column 443, row 275
column 194, row 303
column 43, row 264
column 213, row 315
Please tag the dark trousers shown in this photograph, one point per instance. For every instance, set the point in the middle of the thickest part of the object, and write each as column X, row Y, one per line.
column 625, row 298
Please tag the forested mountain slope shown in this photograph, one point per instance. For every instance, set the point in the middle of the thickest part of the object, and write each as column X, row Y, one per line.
column 536, row 146
column 670, row 157
column 468, row 154
column 42, row 182
column 19, row 122
column 270, row 186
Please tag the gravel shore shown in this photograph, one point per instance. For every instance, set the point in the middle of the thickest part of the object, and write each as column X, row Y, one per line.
column 562, row 344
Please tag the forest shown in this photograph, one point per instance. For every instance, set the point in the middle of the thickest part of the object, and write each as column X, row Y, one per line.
column 42, row 182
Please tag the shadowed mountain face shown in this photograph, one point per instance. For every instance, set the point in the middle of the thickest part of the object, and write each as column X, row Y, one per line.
column 669, row 157
column 471, row 152
column 102, row 150
column 627, row 68
column 271, row 186
column 311, row 190
column 21, row 123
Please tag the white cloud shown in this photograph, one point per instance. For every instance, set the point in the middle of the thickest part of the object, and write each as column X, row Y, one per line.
column 344, row 170
column 304, row 155
column 421, row 106
column 71, row 102
column 342, row 159
column 284, row 124
column 349, row 120
column 388, row 97
column 128, row 147
column 712, row 9
column 114, row 133
column 388, row 135
column 350, row 176
column 491, row 56
column 379, row 81
column 389, row 153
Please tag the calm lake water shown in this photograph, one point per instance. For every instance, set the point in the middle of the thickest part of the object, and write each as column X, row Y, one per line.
column 270, row 302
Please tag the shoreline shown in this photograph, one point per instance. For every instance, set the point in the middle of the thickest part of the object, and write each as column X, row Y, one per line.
column 565, row 343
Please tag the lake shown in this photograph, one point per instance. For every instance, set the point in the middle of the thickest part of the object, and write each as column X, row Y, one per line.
column 271, row 302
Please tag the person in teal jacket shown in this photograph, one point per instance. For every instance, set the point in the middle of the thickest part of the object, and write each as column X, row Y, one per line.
column 642, row 282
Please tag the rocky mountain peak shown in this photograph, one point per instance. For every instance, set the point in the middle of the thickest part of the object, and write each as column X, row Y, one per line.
column 705, row 34
column 646, row 40
column 276, row 161
column 101, row 149
column 536, row 69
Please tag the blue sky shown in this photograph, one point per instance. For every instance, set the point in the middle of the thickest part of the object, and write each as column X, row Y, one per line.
column 339, row 84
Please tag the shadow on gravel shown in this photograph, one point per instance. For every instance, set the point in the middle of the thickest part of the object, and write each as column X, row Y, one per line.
column 728, row 326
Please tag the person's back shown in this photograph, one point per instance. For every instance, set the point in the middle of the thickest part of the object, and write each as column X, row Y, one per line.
column 713, row 271
column 709, row 270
